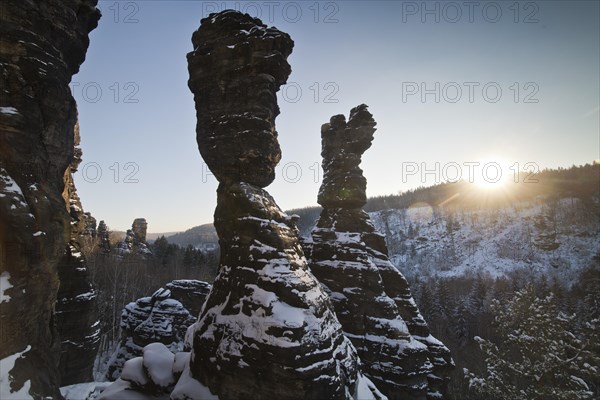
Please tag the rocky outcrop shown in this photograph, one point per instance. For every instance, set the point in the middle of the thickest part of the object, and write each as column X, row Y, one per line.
column 103, row 238
column 267, row 329
column 76, row 308
column 191, row 293
column 160, row 318
column 42, row 44
column 139, row 228
column 135, row 240
column 371, row 298
column 236, row 68
column 153, row 375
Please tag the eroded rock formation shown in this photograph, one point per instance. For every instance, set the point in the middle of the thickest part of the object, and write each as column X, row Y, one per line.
column 191, row 293
column 154, row 374
column 135, row 240
column 103, row 237
column 76, row 308
column 267, row 329
column 371, row 297
column 160, row 318
column 139, row 228
column 42, row 44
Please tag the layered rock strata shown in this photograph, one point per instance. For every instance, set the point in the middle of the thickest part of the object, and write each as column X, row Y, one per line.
column 371, row 297
column 267, row 329
column 191, row 293
column 42, row 45
column 76, row 308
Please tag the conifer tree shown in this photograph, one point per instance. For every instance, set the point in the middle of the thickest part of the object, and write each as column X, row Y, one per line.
column 538, row 356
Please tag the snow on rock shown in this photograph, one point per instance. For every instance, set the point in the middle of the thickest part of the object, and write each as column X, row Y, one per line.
column 348, row 256
column 8, row 391
column 83, row 391
column 4, row 285
column 10, row 190
column 158, row 362
column 77, row 311
column 366, row 390
column 266, row 314
column 123, row 390
column 133, row 371
column 188, row 388
column 269, row 313
column 181, row 360
column 135, row 240
column 158, row 374
column 191, row 293
column 9, row 111
column 43, row 46
column 160, row 318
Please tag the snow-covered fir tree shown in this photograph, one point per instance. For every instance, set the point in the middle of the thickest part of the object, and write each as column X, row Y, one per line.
column 539, row 355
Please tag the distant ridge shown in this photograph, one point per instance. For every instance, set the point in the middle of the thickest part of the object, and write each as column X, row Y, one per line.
column 575, row 181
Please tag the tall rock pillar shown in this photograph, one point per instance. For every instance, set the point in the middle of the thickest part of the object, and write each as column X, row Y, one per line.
column 371, row 297
column 267, row 329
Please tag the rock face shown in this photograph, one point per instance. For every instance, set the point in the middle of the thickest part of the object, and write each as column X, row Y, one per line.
column 160, row 318
column 139, row 228
column 191, row 293
column 103, row 237
column 236, row 69
column 267, row 329
column 135, row 240
column 344, row 185
column 42, row 44
column 371, row 298
column 76, row 308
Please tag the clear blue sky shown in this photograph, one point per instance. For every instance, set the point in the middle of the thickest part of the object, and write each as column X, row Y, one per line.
column 379, row 53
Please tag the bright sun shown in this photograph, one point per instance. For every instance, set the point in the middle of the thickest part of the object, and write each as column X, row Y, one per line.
column 491, row 173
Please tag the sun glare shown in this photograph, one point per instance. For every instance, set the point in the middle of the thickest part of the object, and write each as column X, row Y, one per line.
column 491, row 173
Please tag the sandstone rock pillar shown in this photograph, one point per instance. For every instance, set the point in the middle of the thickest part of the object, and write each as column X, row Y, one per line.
column 371, row 297
column 267, row 329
